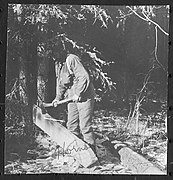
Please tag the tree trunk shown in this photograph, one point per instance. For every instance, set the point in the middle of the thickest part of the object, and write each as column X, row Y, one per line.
column 57, row 71
column 42, row 79
column 22, row 82
column 30, row 64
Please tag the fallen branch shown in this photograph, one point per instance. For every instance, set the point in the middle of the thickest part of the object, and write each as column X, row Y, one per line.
column 158, row 26
column 156, row 47
column 147, row 19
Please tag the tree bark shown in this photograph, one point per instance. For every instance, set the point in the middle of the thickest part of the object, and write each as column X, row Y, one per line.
column 22, row 82
column 30, row 64
column 42, row 79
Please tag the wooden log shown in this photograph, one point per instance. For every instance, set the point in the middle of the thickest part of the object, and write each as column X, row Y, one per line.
column 137, row 163
column 64, row 138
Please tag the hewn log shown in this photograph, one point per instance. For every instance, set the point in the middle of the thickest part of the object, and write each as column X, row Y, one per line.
column 137, row 163
column 64, row 138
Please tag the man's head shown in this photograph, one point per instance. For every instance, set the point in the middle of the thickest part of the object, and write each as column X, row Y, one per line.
column 59, row 53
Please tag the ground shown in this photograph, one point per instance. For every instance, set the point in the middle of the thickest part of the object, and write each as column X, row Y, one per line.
column 44, row 156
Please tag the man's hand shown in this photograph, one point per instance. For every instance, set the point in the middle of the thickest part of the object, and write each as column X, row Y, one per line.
column 75, row 98
column 55, row 102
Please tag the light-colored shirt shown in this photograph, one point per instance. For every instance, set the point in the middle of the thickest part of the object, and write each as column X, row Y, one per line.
column 74, row 79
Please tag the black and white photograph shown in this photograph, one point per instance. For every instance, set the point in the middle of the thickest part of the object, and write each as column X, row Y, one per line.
column 86, row 89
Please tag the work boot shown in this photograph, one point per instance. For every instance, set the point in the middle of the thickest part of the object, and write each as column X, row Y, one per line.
column 93, row 147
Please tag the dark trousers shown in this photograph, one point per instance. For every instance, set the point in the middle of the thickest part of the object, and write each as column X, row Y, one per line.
column 80, row 120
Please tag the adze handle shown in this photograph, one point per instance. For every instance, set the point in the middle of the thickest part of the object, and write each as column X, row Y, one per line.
column 58, row 103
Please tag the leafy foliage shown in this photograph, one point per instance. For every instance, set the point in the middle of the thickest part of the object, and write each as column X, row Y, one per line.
column 38, row 19
column 51, row 22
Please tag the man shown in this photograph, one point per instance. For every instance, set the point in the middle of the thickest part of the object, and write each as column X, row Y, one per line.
column 74, row 82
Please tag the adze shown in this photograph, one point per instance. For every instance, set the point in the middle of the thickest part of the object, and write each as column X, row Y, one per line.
column 70, row 143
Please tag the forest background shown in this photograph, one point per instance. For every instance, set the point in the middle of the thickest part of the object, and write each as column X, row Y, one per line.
column 126, row 53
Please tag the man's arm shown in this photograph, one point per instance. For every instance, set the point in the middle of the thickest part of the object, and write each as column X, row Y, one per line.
column 62, row 84
column 80, row 74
